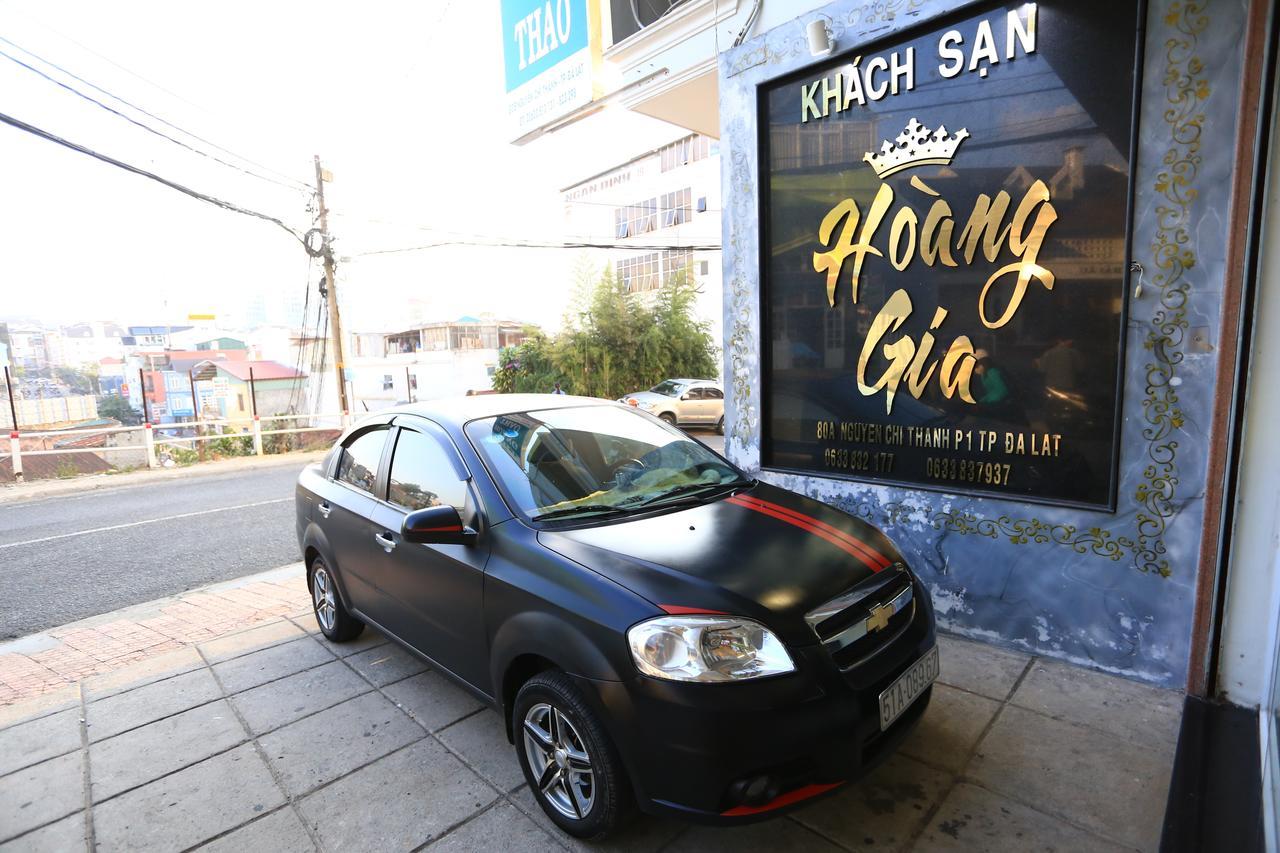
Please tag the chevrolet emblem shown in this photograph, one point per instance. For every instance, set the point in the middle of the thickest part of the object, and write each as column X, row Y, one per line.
column 879, row 618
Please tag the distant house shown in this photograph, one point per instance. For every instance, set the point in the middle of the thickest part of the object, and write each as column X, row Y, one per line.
column 224, row 391
column 223, row 343
column 426, row 360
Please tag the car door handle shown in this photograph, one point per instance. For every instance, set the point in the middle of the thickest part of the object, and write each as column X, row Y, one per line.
column 325, row 509
column 388, row 544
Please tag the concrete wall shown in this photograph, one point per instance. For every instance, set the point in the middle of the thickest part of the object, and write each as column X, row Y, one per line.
column 1109, row 590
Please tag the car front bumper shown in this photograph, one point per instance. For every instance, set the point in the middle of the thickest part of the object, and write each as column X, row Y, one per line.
column 691, row 749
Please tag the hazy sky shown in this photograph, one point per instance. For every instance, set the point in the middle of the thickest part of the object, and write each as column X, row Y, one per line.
column 404, row 102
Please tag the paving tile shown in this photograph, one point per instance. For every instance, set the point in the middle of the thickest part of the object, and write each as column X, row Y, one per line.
column 49, row 702
column 644, row 834
column 63, row 836
column 979, row 668
column 255, row 639
column 324, row 746
column 1118, row 706
column 503, row 827
column 882, row 811
column 41, row 794
column 950, row 728
column 141, row 755
column 405, row 799
column 973, row 818
column 188, row 807
column 278, row 832
column 39, row 740
column 152, row 668
column 269, row 664
column 767, row 837
column 386, row 664
column 368, row 639
column 272, row 705
column 481, row 740
column 1114, row 787
column 433, row 700
column 124, row 711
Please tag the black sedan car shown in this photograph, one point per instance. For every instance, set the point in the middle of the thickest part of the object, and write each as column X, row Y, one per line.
column 655, row 627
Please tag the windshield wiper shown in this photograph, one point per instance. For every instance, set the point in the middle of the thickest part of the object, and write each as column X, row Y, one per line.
column 604, row 509
column 689, row 488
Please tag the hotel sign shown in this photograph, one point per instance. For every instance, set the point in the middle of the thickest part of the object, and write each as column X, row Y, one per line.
column 944, row 243
column 551, row 51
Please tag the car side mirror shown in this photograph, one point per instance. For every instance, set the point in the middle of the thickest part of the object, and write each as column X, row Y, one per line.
column 437, row 525
column 686, row 397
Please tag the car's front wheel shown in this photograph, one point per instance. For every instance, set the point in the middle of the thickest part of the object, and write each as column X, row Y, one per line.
column 335, row 622
column 668, row 417
column 567, row 758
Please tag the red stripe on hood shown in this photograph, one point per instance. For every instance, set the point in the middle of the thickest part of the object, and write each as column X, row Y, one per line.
column 866, row 547
column 810, row 527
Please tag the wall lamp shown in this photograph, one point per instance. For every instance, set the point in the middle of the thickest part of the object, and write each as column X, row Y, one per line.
column 821, row 40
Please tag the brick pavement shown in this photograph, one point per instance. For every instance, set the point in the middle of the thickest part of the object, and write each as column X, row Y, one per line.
column 271, row 738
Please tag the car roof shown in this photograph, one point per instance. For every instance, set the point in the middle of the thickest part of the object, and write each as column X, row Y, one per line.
column 459, row 410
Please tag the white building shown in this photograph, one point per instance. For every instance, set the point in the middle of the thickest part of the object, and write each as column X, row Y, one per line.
column 428, row 360
column 664, row 205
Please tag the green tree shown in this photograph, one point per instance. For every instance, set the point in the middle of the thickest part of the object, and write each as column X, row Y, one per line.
column 527, row 368
column 79, row 381
column 112, row 406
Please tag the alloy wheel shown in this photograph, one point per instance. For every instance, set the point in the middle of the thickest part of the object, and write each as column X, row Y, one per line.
column 322, row 596
column 558, row 756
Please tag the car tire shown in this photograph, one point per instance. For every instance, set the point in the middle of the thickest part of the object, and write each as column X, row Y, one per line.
column 668, row 417
column 589, row 808
column 720, row 426
column 336, row 623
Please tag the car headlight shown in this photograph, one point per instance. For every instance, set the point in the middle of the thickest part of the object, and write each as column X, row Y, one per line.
column 707, row 648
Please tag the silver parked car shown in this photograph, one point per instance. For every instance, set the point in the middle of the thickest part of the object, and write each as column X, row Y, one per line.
column 683, row 402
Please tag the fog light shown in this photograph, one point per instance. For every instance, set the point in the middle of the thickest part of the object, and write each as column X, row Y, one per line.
column 754, row 790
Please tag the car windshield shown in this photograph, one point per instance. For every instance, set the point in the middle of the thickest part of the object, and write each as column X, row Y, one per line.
column 670, row 388
column 595, row 460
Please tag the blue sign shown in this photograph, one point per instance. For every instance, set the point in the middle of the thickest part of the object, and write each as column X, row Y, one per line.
column 538, row 34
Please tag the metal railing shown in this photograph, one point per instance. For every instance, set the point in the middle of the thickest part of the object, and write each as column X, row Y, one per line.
column 153, row 445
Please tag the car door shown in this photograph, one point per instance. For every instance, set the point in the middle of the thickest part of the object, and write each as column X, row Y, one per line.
column 689, row 406
column 715, row 404
column 435, row 591
column 347, row 509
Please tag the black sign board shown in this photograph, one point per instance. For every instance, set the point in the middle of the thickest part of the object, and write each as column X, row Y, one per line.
column 944, row 244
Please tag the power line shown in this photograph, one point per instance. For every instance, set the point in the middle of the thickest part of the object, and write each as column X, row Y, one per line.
column 532, row 244
column 120, row 164
column 293, row 186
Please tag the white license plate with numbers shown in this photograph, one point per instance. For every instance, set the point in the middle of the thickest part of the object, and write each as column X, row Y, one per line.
column 897, row 697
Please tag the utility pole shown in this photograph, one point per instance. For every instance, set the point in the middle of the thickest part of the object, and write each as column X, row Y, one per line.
column 331, row 291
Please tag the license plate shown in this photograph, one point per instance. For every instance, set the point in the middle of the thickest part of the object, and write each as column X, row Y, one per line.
column 898, row 696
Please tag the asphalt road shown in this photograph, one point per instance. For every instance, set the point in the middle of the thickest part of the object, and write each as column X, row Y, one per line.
column 71, row 557
column 74, row 556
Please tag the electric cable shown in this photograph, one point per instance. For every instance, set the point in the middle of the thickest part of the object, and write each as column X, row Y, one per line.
column 568, row 244
column 148, row 128
column 120, row 164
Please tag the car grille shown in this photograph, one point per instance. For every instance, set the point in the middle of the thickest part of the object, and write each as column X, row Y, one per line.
column 855, row 624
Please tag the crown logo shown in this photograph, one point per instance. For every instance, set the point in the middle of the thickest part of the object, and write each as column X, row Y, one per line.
column 916, row 146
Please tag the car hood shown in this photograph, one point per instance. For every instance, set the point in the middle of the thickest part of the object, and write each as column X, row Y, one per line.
column 762, row 552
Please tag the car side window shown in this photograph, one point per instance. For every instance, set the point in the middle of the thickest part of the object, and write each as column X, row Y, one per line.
column 360, row 457
column 423, row 474
column 714, row 394
column 695, row 394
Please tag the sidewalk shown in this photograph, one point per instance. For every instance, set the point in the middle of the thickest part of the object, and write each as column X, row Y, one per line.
column 258, row 734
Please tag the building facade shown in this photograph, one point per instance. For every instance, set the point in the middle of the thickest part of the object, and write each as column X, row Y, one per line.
column 662, row 209
column 997, row 278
